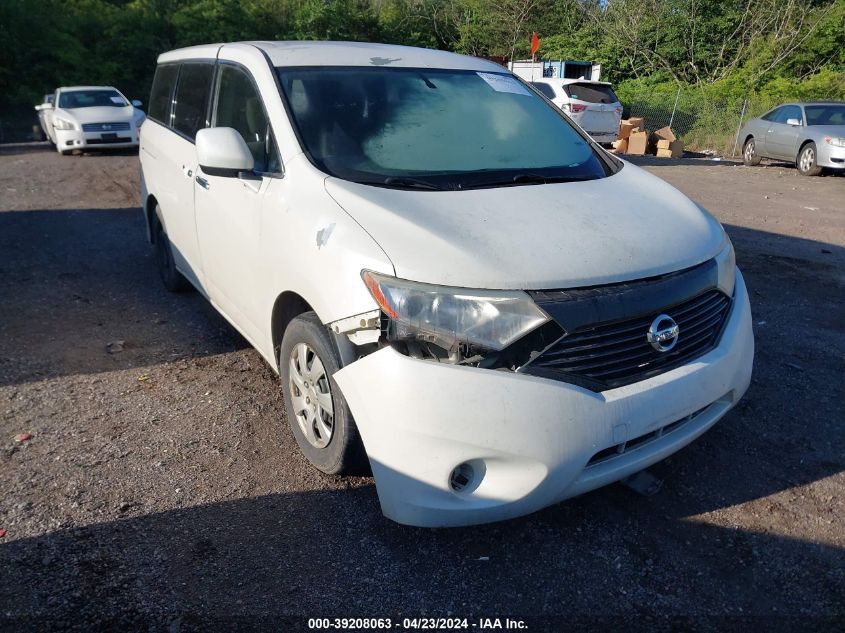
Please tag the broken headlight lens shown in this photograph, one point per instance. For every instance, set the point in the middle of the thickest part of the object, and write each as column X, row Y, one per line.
column 447, row 316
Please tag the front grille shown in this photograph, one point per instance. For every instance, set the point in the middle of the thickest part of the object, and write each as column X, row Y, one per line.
column 120, row 126
column 613, row 354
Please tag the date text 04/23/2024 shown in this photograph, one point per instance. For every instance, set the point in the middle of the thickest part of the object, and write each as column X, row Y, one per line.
column 418, row 624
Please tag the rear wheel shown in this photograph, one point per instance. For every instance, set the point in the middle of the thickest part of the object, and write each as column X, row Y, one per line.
column 316, row 410
column 749, row 153
column 173, row 280
column 807, row 161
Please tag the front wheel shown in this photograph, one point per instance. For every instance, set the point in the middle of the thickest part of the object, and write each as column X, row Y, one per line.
column 749, row 153
column 316, row 410
column 807, row 161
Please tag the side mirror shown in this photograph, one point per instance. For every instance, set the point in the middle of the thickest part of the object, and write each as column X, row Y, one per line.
column 222, row 151
column 793, row 122
column 137, row 103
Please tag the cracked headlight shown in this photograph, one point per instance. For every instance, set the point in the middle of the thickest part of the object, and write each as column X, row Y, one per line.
column 448, row 316
column 63, row 124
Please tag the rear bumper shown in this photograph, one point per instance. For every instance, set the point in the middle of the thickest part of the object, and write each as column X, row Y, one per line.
column 77, row 139
column 603, row 137
column 529, row 442
column 830, row 156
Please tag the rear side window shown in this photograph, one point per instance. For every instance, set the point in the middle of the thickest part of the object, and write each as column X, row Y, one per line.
column 191, row 102
column 591, row 93
column 239, row 106
column 545, row 89
column 161, row 96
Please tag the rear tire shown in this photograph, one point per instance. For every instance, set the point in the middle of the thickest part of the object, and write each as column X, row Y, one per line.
column 172, row 279
column 806, row 161
column 749, row 153
column 315, row 408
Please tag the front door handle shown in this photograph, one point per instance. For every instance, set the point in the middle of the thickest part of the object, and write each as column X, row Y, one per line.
column 202, row 182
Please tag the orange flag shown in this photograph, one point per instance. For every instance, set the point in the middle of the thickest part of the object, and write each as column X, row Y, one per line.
column 535, row 43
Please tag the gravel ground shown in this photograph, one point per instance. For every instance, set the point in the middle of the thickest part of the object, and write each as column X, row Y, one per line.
column 161, row 489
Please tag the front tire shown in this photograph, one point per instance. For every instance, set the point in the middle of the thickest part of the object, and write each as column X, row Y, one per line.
column 806, row 162
column 749, row 153
column 172, row 279
column 315, row 408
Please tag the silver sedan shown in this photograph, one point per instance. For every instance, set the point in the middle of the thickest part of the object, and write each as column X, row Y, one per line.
column 811, row 135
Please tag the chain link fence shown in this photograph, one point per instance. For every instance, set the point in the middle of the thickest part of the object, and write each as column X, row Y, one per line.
column 704, row 123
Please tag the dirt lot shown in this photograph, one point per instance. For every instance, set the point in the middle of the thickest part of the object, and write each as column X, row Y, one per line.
column 161, row 489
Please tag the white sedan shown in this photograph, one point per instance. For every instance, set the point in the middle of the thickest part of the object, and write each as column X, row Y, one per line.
column 91, row 117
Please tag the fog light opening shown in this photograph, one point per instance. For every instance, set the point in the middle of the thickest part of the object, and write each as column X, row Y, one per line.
column 462, row 477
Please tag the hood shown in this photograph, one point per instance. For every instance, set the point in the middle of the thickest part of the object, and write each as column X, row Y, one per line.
column 97, row 114
column 628, row 226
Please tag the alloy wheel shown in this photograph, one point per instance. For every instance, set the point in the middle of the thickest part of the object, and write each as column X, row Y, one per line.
column 808, row 159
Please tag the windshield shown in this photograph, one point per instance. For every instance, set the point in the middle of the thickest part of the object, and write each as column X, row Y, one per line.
column 825, row 114
column 90, row 98
column 433, row 129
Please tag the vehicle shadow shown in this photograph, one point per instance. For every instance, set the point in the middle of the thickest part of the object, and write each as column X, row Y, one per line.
column 244, row 563
column 81, row 295
column 15, row 149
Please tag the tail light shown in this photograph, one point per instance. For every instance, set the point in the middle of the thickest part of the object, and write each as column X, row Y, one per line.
column 577, row 108
column 619, row 110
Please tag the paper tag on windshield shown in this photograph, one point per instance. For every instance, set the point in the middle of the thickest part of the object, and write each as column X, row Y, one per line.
column 118, row 100
column 504, row 83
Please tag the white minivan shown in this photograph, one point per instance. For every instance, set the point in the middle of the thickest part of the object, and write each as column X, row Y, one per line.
column 461, row 291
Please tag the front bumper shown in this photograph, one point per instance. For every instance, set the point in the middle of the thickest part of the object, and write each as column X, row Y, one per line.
column 527, row 440
column 830, row 156
column 77, row 139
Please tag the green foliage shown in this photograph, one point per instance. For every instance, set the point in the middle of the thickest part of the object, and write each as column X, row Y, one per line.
column 728, row 49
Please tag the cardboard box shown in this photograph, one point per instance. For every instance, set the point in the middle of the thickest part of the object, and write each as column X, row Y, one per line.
column 621, row 146
column 665, row 134
column 674, row 149
column 625, row 129
column 638, row 143
column 663, row 143
column 637, row 122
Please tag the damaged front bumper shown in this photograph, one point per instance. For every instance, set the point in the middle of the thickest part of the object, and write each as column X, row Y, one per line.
column 518, row 443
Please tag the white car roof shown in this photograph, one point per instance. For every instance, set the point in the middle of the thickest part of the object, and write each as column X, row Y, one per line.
column 298, row 53
column 565, row 82
column 63, row 88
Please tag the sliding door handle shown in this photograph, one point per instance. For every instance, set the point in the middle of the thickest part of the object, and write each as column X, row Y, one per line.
column 202, row 182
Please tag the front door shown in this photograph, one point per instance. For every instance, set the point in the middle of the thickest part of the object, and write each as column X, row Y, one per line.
column 229, row 210
column 782, row 138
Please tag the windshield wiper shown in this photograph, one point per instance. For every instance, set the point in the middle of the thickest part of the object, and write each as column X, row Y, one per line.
column 523, row 179
column 411, row 183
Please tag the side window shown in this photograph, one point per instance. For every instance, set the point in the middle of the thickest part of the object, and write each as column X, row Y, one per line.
column 190, row 106
column 789, row 112
column 161, row 96
column 545, row 89
column 239, row 106
column 773, row 115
